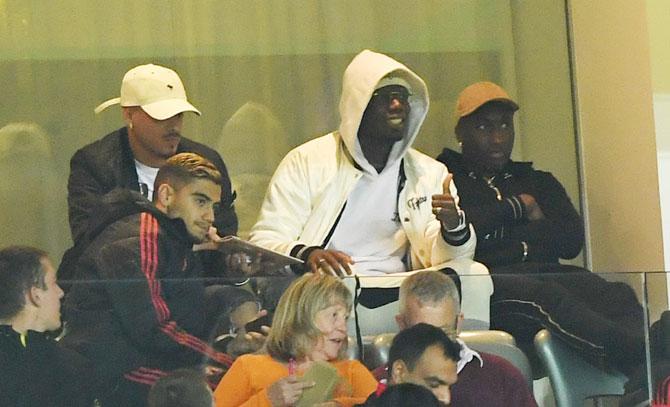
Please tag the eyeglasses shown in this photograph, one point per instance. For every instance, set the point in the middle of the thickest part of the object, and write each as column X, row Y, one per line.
column 387, row 96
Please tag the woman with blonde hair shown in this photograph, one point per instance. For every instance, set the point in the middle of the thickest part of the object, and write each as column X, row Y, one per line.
column 309, row 326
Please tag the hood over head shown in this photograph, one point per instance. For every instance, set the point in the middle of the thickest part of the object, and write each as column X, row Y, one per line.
column 361, row 78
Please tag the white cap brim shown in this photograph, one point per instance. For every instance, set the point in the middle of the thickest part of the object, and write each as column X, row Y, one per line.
column 164, row 109
column 107, row 103
column 160, row 110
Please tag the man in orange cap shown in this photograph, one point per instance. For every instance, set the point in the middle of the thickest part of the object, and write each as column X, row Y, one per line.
column 525, row 223
column 485, row 131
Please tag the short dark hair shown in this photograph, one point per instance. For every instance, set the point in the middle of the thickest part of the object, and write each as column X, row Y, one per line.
column 180, row 388
column 183, row 168
column 404, row 395
column 20, row 269
column 409, row 344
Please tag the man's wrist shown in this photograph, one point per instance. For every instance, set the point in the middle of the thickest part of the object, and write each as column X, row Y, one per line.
column 460, row 234
column 302, row 252
column 462, row 223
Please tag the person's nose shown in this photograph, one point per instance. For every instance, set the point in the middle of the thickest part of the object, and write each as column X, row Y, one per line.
column 61, row 293
column 208, row 214
column 175, row 122
column 444, row 395
column 342, row 324
column 395, row 103
column 498, row 136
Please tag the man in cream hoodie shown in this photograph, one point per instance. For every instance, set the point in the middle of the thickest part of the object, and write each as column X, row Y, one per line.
column 360, row 199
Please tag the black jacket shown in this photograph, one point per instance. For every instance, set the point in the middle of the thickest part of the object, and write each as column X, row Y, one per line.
column 137, row 307
column 500, row 221
column 108, row 163
column 37, row 374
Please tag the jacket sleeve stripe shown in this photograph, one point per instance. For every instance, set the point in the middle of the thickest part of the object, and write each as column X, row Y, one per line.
column 171, row 329
column 145, row 376
column 149, row 262
column 147, row 370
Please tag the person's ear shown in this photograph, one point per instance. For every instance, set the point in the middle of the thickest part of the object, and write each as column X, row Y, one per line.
column 398, row 371
column 164, row 196
column 400, row 321
column 34, row 296
column 458, row 130
column 459, row 323
column 128, row 116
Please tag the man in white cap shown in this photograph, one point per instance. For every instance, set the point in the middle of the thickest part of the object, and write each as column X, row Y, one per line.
column 153, row 101
column 360, row 199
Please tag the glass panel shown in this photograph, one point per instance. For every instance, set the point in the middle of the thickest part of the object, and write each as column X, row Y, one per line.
column 658, row 18
column 266, row 76
column 658, row 284
column 576, row 360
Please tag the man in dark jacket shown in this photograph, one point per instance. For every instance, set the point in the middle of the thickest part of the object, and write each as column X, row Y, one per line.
column 153, row 100
column 525, row 223
column 34, row 371
column 139, row 309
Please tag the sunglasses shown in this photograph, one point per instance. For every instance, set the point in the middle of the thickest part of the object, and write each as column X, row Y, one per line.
column 387, row 96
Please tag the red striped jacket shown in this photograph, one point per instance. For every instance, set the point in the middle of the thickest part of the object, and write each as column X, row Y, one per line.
column 140, row 311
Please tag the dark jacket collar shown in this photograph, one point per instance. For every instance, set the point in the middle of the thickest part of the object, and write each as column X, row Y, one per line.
column 120, row 202
column 8, row 331
column 457, row 165
column 32, row 336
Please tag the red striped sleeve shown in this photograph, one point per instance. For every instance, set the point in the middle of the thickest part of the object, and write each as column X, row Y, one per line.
column 662, row 398
column 145, row 375
column 149, row 263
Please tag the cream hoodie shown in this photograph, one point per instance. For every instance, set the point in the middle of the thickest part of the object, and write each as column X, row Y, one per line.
column 310, row 186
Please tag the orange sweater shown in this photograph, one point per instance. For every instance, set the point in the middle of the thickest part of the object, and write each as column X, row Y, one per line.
column 246, row 383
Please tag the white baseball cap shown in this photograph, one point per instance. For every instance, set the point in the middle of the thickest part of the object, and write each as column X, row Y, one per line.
column 156, row 89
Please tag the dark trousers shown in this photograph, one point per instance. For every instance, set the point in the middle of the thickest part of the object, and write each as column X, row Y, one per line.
column 601, row 320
